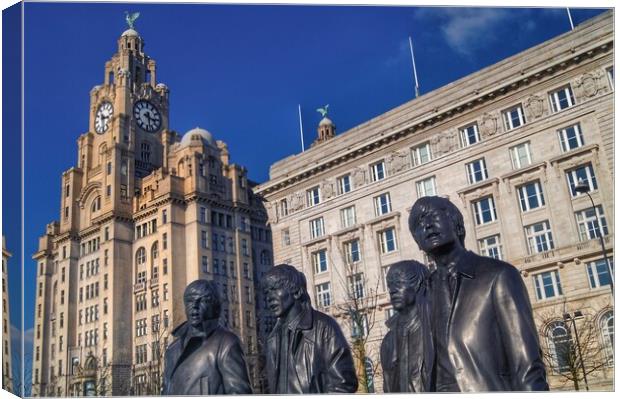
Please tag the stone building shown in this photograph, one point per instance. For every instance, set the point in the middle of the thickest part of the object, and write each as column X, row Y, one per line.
column 145, row 212
column 7, row 371
column 507, row 145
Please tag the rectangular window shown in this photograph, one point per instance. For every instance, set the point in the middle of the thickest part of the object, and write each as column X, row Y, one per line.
column 286, row 237
column 584, row 174
column 204, row 239
column 469, row 135
column 513, row 117
column 317, row 228
column 491, row 247
column 598, row 274
column 570, row 137
column 203, row 215
column 531, row 196
column 344, row 184
column 588, row 223
column 561, row 99
column 426, row 187
column 356, row 285
column 421, row 154
column 313, row 196
column 319, row 261
column 539, row 237
column 164, row 239
column 484, row 210
column 387, row 240
column 520, row 155
column 547, row 285
column 377, row 171
column 352, row 251
column 164, row 216
column 347, row 216
column 610, row 76
column 477, row 171
column 383, row 204
column 283, row 206
column 244, row 247
column 323, row 295
column 205, row 264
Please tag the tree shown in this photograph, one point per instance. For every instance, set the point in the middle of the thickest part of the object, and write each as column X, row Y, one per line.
column 572, row 345
column 359, row 307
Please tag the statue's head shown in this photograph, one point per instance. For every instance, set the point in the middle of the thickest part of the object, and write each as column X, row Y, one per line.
column 284, row 286
column 435, row 223
column 406, row 280
column 202, row 302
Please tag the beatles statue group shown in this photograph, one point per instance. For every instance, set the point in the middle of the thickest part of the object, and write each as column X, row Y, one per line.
column 465, row 327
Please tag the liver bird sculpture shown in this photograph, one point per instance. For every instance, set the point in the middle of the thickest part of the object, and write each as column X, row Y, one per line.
column 323, row 111
column 131, row 18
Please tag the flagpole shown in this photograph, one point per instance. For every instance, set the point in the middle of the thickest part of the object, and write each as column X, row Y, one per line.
column 415, row 73
column 301, row 128
column 572, row 27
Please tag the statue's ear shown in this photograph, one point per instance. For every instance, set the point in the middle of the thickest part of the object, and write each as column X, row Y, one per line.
column 297, row 295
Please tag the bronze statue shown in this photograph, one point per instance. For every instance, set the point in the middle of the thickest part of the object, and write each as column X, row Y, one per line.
column 483, row 331
column 306, row 351
column 205, row 358
column 407, row 349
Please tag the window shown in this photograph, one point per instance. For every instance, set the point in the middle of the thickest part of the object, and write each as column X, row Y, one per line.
column 598, row 275
column 140, row 358
column 141, row 256
column 588, row 223
column 531, row 196
column 313, row 196
column 421, row 154
column 164, row 216
column 383, row 204
column 283, row 207
column 344, row 184
column 583, row 173
column 426, row 187
column 520, row 155
column 359, row 325
column 610, row 76
column 570, row 137
column 491, row 247
column 607, row 333
column 96, row 204
column 477, row 171
column 484, row 210
column 317, row 228
column 469, row 135
column 561, row 99
column 323, row 295
column 547, row 284
column 539, row 237
column 246, row 270
column 377, row 171
column 203, row 214
column 513, row 117
column 205, row 264
column 560, row 346
column 319, row 261
column 347, row 216
column 286, row 237
column 356, row 285
column 145, row 154
column 352, row 251
column 140, row 327
column 387, row 240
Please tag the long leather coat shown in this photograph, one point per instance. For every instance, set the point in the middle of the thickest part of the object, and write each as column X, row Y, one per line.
column 322, row 358
column 217, row 367
column 492, row 339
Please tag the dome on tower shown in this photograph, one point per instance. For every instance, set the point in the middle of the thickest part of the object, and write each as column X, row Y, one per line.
column 198, row 134
column 130, row 32
column 325, row 121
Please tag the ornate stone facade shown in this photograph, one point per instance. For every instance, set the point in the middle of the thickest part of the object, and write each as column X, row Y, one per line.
column 7, row 370
column 145, row 212
column 506, row 144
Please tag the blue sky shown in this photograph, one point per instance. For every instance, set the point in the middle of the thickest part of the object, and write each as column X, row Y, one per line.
column 240, row 72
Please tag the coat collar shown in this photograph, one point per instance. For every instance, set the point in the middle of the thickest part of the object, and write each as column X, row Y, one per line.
column 304, row 322
column 392, row 322
column 465, row 265
column 183, row 329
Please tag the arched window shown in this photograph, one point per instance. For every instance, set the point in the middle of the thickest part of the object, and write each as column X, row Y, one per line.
column 181, row 169
column 96, row 204
column 154, row 256
column 140, row 256
column 607, row 334
column 560, row 346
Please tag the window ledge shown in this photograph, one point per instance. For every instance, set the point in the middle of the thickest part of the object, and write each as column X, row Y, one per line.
column 478, row 186
column 384, row 217
column 523, row 170
column 575, row 152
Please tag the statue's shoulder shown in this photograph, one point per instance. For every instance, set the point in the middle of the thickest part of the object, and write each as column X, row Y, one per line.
column 492, row 266
column 226, row 337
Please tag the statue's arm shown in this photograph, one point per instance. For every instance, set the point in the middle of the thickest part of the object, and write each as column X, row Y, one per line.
column 520, row 338
column 340, row 376
column 234, row 369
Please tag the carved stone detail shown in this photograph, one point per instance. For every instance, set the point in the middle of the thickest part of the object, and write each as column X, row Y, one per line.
column 489, row 125
column 327, row 189
column 534, row 107
column 297, row 201
column 445, row 142
column 398, row 161
column 359, row 177
column 589, row 84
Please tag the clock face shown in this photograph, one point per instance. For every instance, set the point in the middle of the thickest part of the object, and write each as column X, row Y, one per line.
column 147, row 116
column 103, row 117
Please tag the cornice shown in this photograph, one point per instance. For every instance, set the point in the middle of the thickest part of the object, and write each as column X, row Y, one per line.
column 438, row 115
